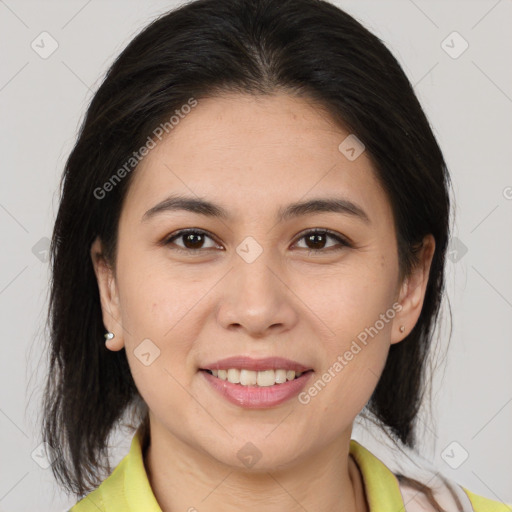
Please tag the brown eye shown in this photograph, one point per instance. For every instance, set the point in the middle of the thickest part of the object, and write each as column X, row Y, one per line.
column 316, row 240
column 192, row 239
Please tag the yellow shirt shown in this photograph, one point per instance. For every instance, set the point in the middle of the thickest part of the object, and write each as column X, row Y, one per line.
column 127, row 489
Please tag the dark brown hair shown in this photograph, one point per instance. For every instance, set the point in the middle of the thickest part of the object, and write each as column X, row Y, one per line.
column 307, row 48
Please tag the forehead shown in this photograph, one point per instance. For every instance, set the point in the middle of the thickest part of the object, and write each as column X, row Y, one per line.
column 254, row 152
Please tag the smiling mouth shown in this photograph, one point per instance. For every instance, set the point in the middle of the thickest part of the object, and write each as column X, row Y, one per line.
column 262, row 378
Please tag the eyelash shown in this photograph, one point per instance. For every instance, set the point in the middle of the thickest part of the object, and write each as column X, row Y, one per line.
column 330, row 234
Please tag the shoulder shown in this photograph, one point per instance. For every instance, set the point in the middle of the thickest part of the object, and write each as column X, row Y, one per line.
column 127, row 485
column 90, row 503
column 416, row 488
column 108, row 495
column 110, row 492
column 481, row 504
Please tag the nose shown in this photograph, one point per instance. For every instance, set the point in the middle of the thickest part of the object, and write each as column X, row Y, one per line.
column 256, row 298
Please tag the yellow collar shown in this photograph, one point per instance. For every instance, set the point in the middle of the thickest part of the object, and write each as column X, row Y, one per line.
column 127, row 489
column 381, row 486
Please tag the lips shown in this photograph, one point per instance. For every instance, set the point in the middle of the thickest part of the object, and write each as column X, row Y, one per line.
column 256, row 383
column 256, row 397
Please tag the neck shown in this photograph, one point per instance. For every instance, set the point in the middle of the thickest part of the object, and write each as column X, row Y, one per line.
column 185, row 479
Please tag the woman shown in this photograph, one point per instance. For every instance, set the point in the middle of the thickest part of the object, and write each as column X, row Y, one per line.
column 249, row 251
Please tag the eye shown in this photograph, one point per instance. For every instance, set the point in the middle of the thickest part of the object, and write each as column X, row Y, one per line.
column 193, row 240
column 318, row 238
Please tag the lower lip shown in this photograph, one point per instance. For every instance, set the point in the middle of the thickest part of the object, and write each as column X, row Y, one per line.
column 257, row 397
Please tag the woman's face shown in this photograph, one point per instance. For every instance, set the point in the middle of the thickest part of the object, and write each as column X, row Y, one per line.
column 248, row 284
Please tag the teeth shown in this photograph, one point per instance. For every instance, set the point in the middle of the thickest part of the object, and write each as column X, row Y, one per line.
column 248, row 378
column 280, row 376
column 266, row 378
column 262, row 378
column 233, row 375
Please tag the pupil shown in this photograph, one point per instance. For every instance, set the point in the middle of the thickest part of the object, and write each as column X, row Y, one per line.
column 312, row 237
column 189, row 239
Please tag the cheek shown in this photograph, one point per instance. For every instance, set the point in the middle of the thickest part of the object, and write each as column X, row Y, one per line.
column 166, row 307
column 147, row 305
column 356, row 313
column 350, row 298
column 154, row 296
column 348, row 377
column 160, row 328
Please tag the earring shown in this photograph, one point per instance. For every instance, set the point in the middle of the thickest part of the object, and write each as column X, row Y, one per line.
column 402, row 328
column 109, row 335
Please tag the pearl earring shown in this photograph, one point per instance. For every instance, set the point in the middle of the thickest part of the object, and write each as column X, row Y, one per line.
column 109, row 335
column 402, row 328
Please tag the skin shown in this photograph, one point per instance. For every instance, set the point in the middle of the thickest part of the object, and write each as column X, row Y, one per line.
column 252, row 156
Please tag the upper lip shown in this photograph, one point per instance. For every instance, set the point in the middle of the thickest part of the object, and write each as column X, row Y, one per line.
column 249, row 363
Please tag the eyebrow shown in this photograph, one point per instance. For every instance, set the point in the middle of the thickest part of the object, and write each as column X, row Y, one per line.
column 209, row 209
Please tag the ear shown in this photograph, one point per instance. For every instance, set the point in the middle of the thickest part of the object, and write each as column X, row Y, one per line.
column 412, row 292
column 109, row 296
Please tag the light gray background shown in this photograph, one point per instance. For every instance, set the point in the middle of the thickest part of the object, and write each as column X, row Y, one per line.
column 468, row 100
